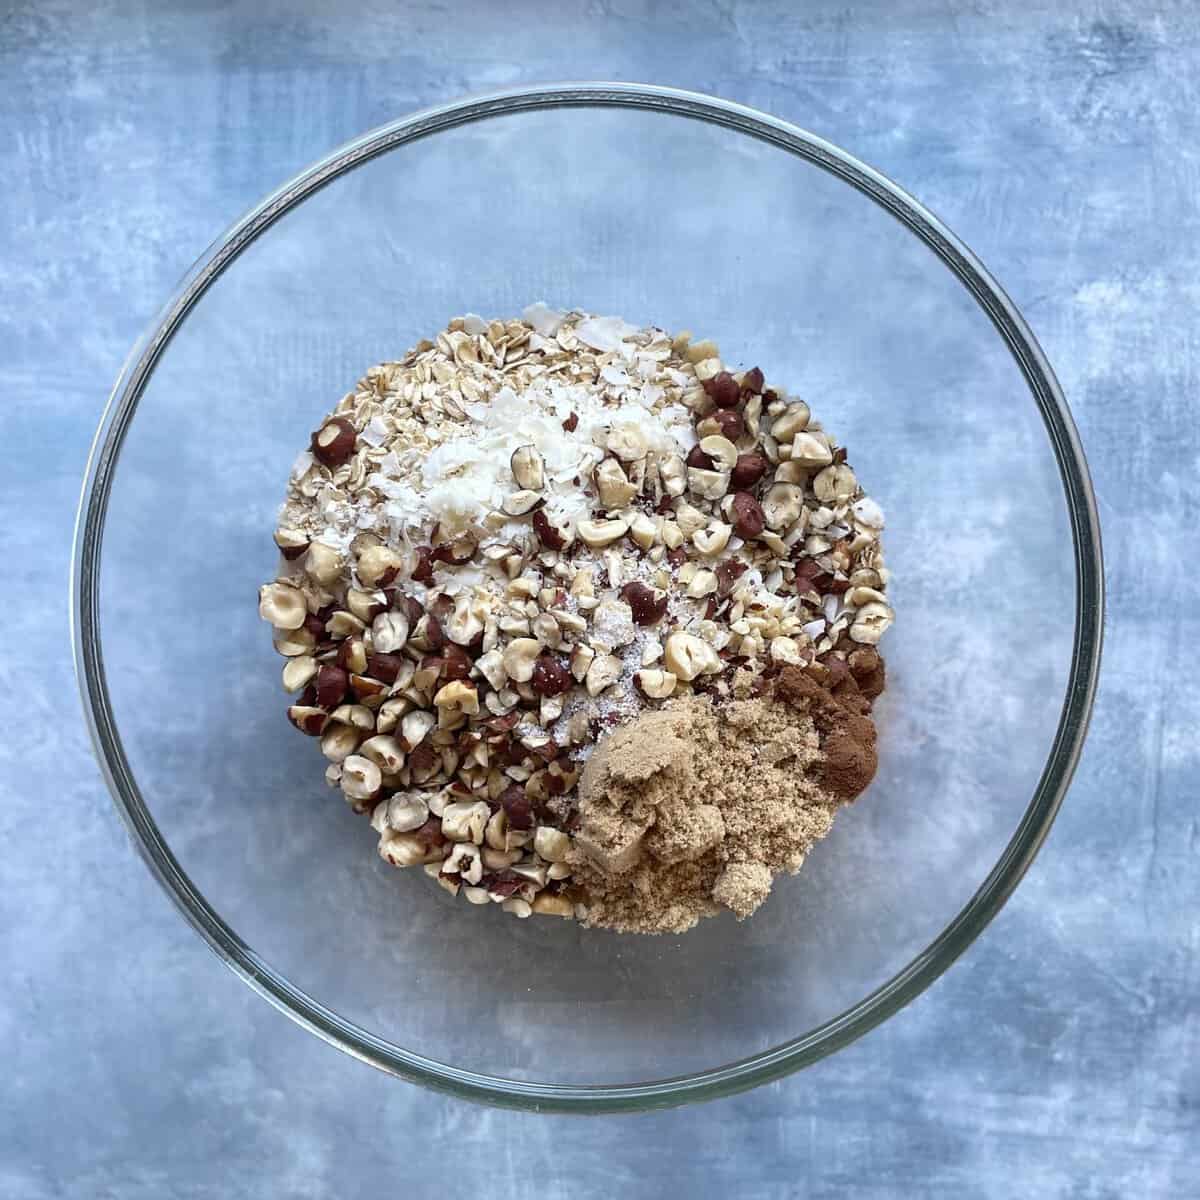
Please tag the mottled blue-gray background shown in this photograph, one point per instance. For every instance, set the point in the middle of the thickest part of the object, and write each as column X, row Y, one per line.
column 1061, row 1057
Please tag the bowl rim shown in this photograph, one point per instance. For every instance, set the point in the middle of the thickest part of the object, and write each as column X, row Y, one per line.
column 877, row 1005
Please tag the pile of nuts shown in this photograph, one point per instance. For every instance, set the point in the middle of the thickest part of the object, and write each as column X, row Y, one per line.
column 459, row 666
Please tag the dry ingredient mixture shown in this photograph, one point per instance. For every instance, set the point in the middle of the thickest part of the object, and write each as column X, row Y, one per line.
column 584, row 620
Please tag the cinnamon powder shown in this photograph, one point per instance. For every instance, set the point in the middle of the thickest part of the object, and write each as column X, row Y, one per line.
column 695, row 806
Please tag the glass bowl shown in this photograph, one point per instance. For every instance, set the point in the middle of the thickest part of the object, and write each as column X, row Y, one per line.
column 666, row 208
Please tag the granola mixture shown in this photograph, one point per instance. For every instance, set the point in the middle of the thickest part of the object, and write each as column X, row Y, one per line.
column 529, row 540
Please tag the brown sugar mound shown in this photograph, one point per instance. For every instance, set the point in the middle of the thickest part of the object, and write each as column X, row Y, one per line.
column 694, row 807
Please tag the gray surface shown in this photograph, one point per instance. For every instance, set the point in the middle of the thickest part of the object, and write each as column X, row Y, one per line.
column 1059, row 1058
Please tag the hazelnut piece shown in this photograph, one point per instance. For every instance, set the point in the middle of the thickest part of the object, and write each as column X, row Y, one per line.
column 299, row 672
column 581, row 660
column 415, row 727
column 655, row 683
column 385, row 752
column 457, row 697
column 747, row 515
column 465, row 821
column 361, row 778
column 456, row 663
column 528, row 468
column 834, row 485
column 516, row 807
column 730, row 423
column 339, row 741
column 332, row 685
column 378, row 566
column 793, row 420
column 406, row 850
column 389, row 632
column 626, row 441
column 282, row 605
column 367, row 690
column 721, row 451
column 307, row 719
column 712, row 485
column 643, row 530
column 870, row 624
column 728, row 573
column 291, row 542
column 604, row 671
column 752, row 380
column 406, row 812
column 323, row 564
column 713, row 540
column 366, row 606
column 553, row 906
column 550, row 677
column 673, row 473
column 647, row 606
column 352, row 655
column 723, row 390
column 687, row 656
column 601, row 533
column 612, row 484
column 782, row 505
column 810, row 451
column 748, row 470
column 519, row 657
column 333, row 443
column 521, row 503
column 551, row 844
column 385, row 667
column 554, row 535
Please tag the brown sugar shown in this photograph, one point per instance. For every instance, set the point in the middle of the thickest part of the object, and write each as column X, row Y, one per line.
column 695, row 806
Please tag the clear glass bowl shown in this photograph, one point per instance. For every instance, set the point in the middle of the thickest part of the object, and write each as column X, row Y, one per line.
column 662, row 207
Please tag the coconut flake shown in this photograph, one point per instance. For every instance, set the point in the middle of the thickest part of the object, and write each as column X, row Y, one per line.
column 614, row 375
column 604, row 333
column 376, row 432
column 545, row 320
column 867, row 512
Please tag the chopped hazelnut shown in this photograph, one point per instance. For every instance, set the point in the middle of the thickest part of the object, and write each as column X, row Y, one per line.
column 687, row 656
column 333, row 444
column 601, row 533
column 519, row 657
column 323, row 564
column 655, row 683
column 282, row 605
column 528, row 468
column 361, row 778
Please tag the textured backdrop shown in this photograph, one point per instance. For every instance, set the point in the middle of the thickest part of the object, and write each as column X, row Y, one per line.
column 1061, row 1056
